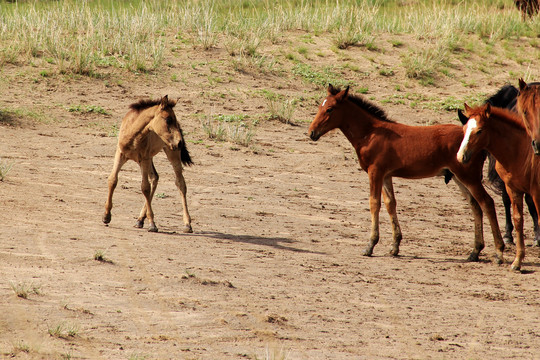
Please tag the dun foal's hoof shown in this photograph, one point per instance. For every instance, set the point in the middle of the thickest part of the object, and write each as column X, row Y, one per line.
column 152, row 228
column 139, row 224
column 473, row 257
column 394, row 252
column 368, row 252
column 106, row 218
column 188, row 229
column 516, row 268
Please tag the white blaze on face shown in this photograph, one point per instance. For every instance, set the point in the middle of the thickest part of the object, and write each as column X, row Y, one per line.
column 324, row 102
column 471, row 125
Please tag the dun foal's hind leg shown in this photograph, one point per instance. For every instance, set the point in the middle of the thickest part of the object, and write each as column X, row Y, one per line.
column 174, row 158
column 119, row 161
column 146, row 169
column 375, row 187
column 390, row 202
column 154, row 178
column 478, row 222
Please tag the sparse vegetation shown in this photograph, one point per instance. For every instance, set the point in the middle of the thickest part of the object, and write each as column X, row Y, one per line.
column 63, row 330
column 230, row 128
column 5, row 168
column 99, row 255
column 23, row 290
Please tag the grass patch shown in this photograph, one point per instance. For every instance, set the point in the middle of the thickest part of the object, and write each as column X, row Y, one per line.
column 88, row 109
column 63, row 331
column 23, row 290
column 5, row 168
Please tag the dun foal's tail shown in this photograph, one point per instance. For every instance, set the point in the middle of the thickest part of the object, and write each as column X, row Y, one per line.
column 184, row 153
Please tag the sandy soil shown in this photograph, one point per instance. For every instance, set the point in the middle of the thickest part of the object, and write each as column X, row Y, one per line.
column 273, row 269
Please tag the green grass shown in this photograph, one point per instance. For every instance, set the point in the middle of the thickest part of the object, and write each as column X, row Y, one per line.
column 23, row 290
column 87, row 109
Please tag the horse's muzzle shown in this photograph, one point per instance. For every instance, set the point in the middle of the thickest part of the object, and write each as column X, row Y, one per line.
column 466, row 157
column 314, row 135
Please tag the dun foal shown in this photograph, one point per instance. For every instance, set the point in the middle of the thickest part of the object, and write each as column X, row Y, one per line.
column 386, row 149
column 148, row 127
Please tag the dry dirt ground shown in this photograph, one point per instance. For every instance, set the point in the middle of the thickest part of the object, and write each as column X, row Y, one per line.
column 273, row 269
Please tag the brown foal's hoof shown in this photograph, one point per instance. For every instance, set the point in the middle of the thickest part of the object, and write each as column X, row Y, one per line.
column 152, row 228
column 107, row 218
column 188, row 229
column 139, row 224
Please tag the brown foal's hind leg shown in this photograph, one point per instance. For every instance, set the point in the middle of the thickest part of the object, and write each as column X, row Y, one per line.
column 390, row 202
column 174, row 158
column 375, row 187
column 119, row 161
column 154, row 178
column 478, row 222
column 146, row 166
column 488, row 207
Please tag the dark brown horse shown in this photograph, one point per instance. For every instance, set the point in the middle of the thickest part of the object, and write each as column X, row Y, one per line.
column 503, row 134
column 386, row 149
column 148, row 127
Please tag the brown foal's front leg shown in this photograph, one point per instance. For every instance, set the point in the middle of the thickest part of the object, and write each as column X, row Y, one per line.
column 390, row 202
column 516, row 198
column 119, row 161
column 375, row 187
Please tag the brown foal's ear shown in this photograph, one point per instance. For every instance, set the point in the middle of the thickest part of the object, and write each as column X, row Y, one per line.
column 488, row 110
column 467, row 109
column 342, row 95
column 522, row 84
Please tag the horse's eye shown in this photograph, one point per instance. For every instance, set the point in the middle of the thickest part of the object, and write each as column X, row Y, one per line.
column 329, row 110
column 479, row 131
column 169, row 120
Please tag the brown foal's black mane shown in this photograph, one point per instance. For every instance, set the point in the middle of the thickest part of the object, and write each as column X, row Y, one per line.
column 366, row 105
column 146, row 103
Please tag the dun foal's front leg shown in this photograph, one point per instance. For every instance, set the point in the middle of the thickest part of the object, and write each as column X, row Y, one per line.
column 146, row 188
column 119, row 161
column 154, row 178
column 176, row 162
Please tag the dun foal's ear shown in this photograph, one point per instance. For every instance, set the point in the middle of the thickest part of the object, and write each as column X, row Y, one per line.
column 164, row 102
column 522, row 84
column 462, row 118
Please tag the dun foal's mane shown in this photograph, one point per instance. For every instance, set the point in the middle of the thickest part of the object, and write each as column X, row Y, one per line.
column 147, row 103
column 366, row 105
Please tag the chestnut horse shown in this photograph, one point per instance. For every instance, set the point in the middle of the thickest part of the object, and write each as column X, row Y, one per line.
column 506, row 98
column 502, row 133
column 386, row 149
column 148, row 127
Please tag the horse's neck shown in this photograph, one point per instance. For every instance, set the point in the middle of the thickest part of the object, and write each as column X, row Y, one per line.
column 507, row 142
column 359, row 126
